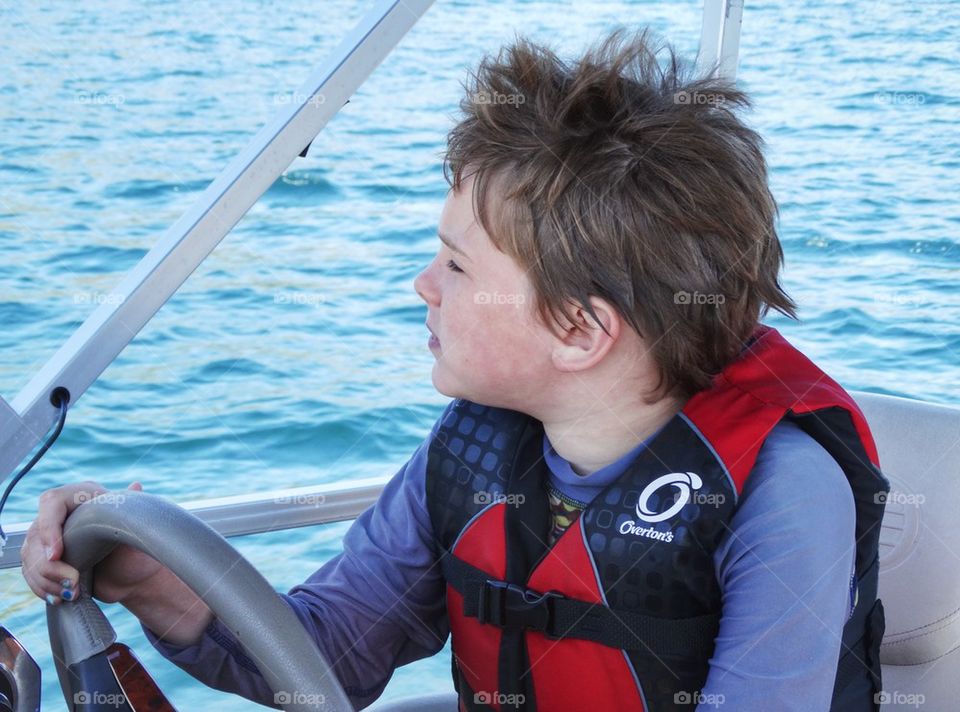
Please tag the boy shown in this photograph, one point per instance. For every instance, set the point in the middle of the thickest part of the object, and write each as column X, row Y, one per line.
column 640, row 498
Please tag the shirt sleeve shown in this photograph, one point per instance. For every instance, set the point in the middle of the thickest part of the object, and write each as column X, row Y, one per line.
column 376, row 606
column 785, row 567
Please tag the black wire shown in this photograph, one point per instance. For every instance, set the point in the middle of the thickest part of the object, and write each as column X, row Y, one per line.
column 63, row 398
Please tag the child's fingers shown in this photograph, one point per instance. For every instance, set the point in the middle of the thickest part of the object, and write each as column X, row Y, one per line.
column 47, row 576
column 53, row 578
column 55, row 505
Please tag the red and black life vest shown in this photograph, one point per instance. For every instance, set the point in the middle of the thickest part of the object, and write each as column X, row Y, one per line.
column 622, row 611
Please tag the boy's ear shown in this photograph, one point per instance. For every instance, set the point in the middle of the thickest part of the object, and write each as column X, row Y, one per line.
column 581, row 342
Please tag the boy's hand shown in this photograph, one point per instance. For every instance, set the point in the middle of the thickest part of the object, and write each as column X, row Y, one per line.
column 115, row 578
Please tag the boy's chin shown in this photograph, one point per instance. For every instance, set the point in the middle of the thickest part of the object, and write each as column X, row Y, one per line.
column 496, row 394
column 441, row 382
column 450, row 387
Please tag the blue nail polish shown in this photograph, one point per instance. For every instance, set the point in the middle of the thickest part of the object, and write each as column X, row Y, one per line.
column 67, row 594
column 51, row 599
column 67, row 583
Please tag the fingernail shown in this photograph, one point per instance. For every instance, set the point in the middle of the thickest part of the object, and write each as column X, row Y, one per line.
column 67, row 583
column 49, row 552
column 67, row 594
column 51, row 599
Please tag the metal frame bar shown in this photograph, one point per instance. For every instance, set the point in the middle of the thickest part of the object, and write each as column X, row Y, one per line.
column 257, row 513
column 282, row 509
column 720, row 38
column 147, row 287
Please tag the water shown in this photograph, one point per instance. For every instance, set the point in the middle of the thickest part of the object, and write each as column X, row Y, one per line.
column 296, row 352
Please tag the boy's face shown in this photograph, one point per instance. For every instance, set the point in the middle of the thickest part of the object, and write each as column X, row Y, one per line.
column 489, row 345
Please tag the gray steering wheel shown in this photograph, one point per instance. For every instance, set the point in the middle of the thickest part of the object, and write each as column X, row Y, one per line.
column 239, row 596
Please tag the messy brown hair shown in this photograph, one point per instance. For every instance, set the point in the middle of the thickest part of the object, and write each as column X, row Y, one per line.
column 623, row 177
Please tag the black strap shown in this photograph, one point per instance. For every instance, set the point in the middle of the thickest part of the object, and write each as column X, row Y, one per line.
column 862, row 634
column 856, row 626
column 515, row 607
column 526, row 529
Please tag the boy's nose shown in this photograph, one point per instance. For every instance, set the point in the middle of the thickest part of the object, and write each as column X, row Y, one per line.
column 426, row 287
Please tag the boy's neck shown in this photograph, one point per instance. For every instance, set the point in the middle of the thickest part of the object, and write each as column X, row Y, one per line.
column 593, row 437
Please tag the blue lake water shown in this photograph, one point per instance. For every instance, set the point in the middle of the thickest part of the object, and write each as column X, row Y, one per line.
column 296, row 353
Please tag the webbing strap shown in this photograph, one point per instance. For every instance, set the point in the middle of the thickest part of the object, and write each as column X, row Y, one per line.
column 860, row 642
column 515, row 607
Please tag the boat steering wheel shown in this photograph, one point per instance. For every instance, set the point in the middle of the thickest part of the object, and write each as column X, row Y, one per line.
column 83, row 641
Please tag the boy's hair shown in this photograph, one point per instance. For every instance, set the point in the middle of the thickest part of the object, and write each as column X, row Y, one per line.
column 620, row 178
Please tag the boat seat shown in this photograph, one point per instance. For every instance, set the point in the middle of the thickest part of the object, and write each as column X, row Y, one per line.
column 919, row 448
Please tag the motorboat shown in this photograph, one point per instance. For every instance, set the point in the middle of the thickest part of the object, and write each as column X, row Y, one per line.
column 918, row 441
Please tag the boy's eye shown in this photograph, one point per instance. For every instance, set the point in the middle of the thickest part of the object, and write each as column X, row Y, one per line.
column 452, row 266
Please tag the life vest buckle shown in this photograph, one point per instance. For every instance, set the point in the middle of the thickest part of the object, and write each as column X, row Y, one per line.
column 508, row 605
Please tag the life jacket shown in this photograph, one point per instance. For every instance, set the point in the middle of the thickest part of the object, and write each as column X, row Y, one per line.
column 622, row 611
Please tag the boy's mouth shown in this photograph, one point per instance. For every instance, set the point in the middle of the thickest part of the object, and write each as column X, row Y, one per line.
column 433, row 342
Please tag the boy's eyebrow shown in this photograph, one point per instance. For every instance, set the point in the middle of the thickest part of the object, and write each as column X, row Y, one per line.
column 446, row 241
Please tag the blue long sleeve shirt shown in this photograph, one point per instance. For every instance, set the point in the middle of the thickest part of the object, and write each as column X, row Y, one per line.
column 784, row 566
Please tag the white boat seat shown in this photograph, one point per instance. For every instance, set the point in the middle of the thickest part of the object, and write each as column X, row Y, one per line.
column 919, row 448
